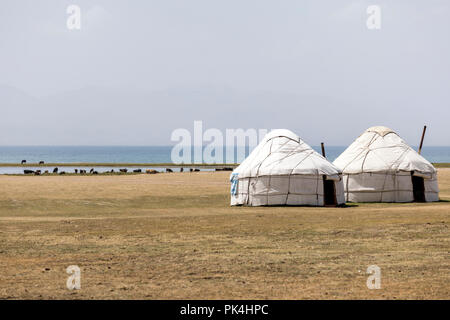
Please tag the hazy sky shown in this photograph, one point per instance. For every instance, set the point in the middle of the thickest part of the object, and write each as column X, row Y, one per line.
column 137, row 70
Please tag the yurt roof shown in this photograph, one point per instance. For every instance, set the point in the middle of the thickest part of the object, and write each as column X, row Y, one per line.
column 282, row 152
column 380, row 149
column 381, row 130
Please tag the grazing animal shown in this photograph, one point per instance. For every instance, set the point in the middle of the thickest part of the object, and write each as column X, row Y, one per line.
column 95, row 172
column 169, row 170
column 151, row 171
column 82, row 171
column 46, row 172
column 41, row 162
column 112, row 171
column 37, row 172
column 28, row 171
column 181, row 169
column 137, row 170
column 224, row 169
column 196, row 170
column 190, row 169
column 76, row 170
column 55, row 170
column 62, row 172
column 91, row 171
column 123, row 170
column 24, row 161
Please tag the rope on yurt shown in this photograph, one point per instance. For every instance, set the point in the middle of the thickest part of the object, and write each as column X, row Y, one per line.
column 257, row 175
column 257, row 171
column 260, row 164
column 295, row 151
column 397, row 162
column 348, row 178
column 387, row 172
column 362, row 151
column 285, row 157
column 292, row 170
column 392, row 171
column 287, row 193
column 317, row 188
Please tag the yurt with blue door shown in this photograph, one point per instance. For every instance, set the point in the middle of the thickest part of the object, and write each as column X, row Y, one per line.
column 284, row 170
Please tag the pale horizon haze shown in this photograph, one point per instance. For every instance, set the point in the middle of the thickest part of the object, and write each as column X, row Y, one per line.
column 138, row 70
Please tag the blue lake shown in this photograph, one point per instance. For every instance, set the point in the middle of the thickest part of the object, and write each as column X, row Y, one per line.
column 148, row 154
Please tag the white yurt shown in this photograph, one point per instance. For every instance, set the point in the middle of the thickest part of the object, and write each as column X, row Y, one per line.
column 284, row 170
column 380, row 167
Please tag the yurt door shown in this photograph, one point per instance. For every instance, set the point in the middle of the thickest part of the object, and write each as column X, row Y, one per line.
column 329, row 192
column 418, row 188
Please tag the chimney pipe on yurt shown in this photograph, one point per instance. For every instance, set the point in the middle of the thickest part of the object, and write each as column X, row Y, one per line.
column 421, row 140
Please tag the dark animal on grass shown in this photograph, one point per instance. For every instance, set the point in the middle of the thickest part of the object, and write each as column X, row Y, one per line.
column 123, row 170
column 181, row 169
column 91, row 171
column 62, row 172
column 37, row 172
column 82, row 171
column 95, row 172
column 169, row 170
column 41, row 162
column 224, row 169
column 24, row 161
column 46, row 172
column 196, row 170
column 151, row 171
column 55, row 170
column 28, row 171
column 137, row 171
column 112, row 171
column 190, row 169
column 76, row 170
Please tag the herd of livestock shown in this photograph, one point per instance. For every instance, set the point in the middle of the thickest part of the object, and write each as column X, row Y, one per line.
column 92, row 171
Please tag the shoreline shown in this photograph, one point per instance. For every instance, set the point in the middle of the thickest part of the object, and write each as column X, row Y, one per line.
column 114, row 165
column 150, row 165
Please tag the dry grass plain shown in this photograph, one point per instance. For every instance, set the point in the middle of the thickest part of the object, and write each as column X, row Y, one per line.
column 170, row 236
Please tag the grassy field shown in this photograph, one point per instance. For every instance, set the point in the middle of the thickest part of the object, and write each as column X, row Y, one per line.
column 174, row 235
column 441, row 165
